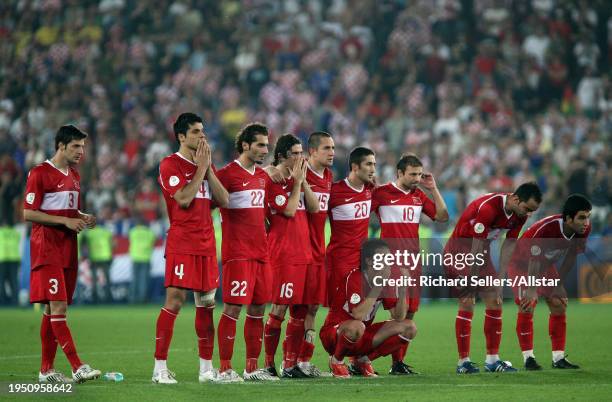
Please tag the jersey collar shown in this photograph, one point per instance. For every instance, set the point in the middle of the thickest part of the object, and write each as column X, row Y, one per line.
column 562, row 232
column 400, row 189
column 240, row 164
column 55, row 167
column 314, row 171
column 183, row 158
column 348, row 183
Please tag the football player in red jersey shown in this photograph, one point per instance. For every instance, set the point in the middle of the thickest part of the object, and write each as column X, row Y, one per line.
column 399, row 206
column 247, row 276
column 349, row 328
column 481, row 223
column 289, row 250
column 554, row 239
column 319, row 176
column 349, row 214
column 52, row 204
column 189, row 185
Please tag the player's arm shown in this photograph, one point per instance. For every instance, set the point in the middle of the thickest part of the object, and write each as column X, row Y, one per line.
column 90, row 220
column 311, row 200
column 530, row 296
column 76, row 224
column 298, row 173
column 275, row 174
column 360, row 311
column 505, row 255
column 429, row 183
column 219, row 193
column 399, row 311
column 187, row 193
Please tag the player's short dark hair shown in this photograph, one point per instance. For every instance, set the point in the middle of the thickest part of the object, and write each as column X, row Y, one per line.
column 574, row 204
column 527, row 191
column 182, row 123
column 283, row 146
column 408, row 160
column 248, row 133
column 369, row 248
column 357, row 156
column 68, row 133
column 314, row 139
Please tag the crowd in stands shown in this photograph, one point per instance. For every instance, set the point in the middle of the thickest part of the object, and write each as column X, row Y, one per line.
column 489, row 93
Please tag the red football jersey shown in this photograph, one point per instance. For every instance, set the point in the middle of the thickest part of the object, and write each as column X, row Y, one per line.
column 288, row 238
column 349, row 296
column 549, row 243
column 349, row 214
column 53, row 192
column 400, row 211
column 191, row 229
column 485, row 218
column 243, row 222
column 321, row 186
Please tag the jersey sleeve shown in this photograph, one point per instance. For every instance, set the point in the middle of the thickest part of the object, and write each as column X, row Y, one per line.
column 170, row 178
column 429, row 207
column 482, row 222
column 276, row 197
column 354, row 294
column 35, row 190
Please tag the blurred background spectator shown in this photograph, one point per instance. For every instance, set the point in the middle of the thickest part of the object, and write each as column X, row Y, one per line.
column 489, row 93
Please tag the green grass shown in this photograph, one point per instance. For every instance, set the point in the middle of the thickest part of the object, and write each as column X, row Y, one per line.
column 122, row 339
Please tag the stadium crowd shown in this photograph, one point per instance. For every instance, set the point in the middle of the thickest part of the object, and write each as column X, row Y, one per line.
column 489, row 93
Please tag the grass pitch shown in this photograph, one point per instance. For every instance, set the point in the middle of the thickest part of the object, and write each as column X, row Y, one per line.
column 121, row 338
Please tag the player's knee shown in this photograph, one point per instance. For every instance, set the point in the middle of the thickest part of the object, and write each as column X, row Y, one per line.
column 278, row 310
column 58, row 308
column 466, row 304
column 256, row 309
column 205, row 299
column 298, row 312
column 556, row 306
column 409, row 329
column 232, row 310
column 354, row 331
column 312, row 309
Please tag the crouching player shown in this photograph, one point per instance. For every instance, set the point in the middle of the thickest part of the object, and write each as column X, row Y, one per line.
column 290, row 252
column 349, row 329
column 554, row 239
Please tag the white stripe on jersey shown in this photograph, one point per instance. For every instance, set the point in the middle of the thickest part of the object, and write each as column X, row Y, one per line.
column 206, row 193
column 400, row 213
column 352, row 212
column 323, row 200
column 247, row 199
column 60, row 200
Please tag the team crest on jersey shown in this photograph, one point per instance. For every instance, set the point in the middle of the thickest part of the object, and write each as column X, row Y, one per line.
column 262, row 182
column 30, row 198
column 417, row 201
column 355, row 298
column 76, row 184
column 280, row 200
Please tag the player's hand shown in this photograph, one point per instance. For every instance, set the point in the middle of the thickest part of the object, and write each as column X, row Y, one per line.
column 76, row 224
column 298, row 171
column 428, row 182
column 90, row 220
column 203, row 155
column 529, row 298
column 275, row 174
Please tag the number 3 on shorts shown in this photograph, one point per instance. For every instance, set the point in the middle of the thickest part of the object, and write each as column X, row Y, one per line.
column 238, row 288
column 178, row 271
column 53, row 286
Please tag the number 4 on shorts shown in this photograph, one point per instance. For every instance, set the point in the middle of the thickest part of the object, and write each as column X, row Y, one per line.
column 178, row 271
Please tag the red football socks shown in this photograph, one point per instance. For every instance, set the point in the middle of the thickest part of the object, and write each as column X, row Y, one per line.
column 226, row 333
column 205, row 330
column 163, row 333
column 293, row 340
column 524, row 330
column 556, row 330
column 463, row 332
column 493, row 330
column 64, row 339
column 272, row 332
column 48, row 344
column 253, row 332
